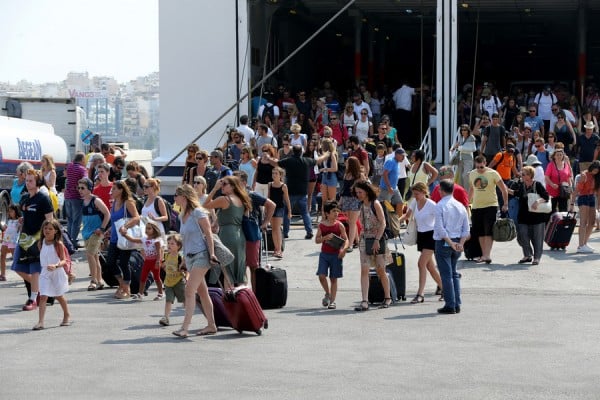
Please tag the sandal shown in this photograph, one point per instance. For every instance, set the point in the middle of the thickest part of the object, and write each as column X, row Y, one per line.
column 92, row 286
column 38, row 327
column 364, row 306
column 385, row 303
column 181, row 334
column 2, row 278
column 438, row 291
column 99, row 286
column 159, row 297
column 525, row 260
column 418, row 299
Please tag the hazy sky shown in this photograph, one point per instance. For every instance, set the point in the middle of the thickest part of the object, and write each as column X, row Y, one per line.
column 43, row 40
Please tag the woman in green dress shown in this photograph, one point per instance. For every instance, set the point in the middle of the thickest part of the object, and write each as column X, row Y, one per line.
column 232, row 206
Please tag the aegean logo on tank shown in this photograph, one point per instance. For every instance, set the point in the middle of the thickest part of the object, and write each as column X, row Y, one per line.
column 29, row 149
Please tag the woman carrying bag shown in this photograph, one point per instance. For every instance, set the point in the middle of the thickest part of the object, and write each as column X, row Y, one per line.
column 534, row 212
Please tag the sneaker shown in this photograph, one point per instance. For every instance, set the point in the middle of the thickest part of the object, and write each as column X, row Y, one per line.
column 137, row 297
column 325, row 300
column 159, row 297
column 309, row 235
column 331, row 305
column 164, row 321
column 30, row 305
column 588, row 249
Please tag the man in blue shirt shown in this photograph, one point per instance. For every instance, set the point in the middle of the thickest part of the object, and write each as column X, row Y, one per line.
column 450, row 232
column 388, row 185
column 535, row 122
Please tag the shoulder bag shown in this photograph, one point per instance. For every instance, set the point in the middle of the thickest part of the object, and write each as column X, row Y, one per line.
column 542, row 208
column 223, row 254
column 135, row 231
column 369, row 241
column 250, row 228
column 410, row 236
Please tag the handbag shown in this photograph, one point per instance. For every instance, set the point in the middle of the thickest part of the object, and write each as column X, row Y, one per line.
column 504, row 230
column 336, row 242
column 29, row 251
column 565, row 190
column 369, row 246
column 135, row 231
column 250, row 228
column 410, row 236
column 454, row 157
column 223, row 254
column 543, row 208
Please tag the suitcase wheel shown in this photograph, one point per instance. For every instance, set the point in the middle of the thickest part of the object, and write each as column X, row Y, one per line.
column 403, row 298
column 266, row 325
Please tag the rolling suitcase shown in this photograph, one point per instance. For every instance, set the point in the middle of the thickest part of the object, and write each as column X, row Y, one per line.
column 397, row 270
column 270, row 246
column 472, row 248
column 107, row 274
column 560, row 229
column 271, row 283
column 243, row 309
column 216, row 296
column 376, row 288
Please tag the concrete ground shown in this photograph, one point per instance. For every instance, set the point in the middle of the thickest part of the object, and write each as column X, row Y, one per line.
column 525, row 332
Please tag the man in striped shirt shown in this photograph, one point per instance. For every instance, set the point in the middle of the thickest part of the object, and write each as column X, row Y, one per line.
column 73, row 201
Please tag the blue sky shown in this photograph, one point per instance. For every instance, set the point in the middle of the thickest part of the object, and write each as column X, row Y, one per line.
column 43, row 40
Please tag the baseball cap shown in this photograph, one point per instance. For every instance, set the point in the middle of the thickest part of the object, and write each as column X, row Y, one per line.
column 486, row 92
column 400, row 151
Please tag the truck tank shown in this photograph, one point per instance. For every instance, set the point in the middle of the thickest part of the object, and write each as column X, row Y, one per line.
column 24, row 140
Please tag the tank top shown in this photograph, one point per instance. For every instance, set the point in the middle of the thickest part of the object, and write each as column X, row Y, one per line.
column 276, row 195
column 420, row 176
column 326, row 230
column 46, row 178
column 263, row 173
column 249, row 170
column 347, row 188
column 116, row 215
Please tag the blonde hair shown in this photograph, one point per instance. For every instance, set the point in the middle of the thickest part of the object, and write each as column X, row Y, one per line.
column 420, row 187
column 295, row 128
column 186, row 191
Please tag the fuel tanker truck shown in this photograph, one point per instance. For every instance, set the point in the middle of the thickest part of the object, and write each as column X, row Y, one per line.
column 25, row 140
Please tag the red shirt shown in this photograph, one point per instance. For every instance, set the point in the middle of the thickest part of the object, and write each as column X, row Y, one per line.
column 459, row 193
column 103, row 192
column 326, row 230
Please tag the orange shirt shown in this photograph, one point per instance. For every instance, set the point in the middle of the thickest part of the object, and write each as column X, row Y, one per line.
column 585, row 184
column 505, row 161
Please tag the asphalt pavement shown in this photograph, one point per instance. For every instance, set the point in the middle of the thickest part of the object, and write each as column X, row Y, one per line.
column 524, row 332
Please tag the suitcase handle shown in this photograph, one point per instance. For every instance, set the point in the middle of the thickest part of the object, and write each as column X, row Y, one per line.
column 264, row 250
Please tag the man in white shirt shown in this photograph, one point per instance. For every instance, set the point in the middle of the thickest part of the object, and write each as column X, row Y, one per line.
column 403, row 99
column 489, row 103
column 544, row 101
column 360, row 105
column 245, row 130
column 450, row 232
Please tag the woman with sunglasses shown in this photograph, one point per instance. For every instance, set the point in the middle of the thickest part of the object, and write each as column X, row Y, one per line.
column 264, row 170
column 363, row 128
column 348, row 118
column 564, row 132
column 154, row 207
column 190, row 162
column 123, row 206
column 466, row 145
column 201, row 159
column 557, row 172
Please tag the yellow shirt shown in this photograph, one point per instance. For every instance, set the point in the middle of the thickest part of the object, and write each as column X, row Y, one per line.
column 173, row 274
column 484, row 188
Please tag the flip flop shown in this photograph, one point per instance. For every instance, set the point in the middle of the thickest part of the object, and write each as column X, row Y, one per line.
column 38, row 327
column 180, row 334
column 65, row 323
column 206, row 333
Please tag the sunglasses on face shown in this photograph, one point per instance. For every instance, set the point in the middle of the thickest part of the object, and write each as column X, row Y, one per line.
column 81, row 187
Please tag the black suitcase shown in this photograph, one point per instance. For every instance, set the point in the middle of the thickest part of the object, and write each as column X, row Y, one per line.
column 271, row 285
column 270, row 246
column 376, row 294
column 472, row 248
column 107, row 274
column 136, row 261
column 560, row 230
column 397, row 270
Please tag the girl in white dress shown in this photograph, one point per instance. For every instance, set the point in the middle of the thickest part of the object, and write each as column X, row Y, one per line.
column 10, row 237
column 53, row 278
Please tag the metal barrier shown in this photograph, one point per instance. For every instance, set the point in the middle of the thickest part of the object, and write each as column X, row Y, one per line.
column 427, row 144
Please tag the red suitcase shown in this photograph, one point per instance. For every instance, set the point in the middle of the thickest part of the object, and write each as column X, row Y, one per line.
column 560, row 229
column 244, row 310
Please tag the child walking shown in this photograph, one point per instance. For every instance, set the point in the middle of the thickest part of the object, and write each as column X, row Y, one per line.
column 174, row 277
column 10, row 237
column 53, row 278
column 333, row 251
column 152, row 251
column 278, row 193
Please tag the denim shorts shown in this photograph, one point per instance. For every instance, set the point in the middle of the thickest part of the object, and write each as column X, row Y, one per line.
column 394, row 198
column 329, row 179
column 586, row 200
column 197, row 260
column 279, row 212
column 332, row 263
column 32, row 268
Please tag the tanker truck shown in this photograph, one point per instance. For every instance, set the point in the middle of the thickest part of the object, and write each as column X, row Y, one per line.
column 24, row 140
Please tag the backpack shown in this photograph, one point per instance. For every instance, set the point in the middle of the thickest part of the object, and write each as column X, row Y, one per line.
column 495, row 100
column 172, row 222
column 269, row 109
column 212, row 176
column 392, row 221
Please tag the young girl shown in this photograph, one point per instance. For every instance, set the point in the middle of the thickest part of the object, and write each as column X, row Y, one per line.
column 175, row 277
column 153, row 252
column 53, row 279
column 278, row 193
column 10, row 238
column 331, row 257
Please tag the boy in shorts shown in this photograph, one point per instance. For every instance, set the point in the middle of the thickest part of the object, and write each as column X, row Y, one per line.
column 175, row 276
column 334, row 242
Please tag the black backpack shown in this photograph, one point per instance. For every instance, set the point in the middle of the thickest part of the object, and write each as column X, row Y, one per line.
column 172, row 222
column 212, row 176
column 270, row 110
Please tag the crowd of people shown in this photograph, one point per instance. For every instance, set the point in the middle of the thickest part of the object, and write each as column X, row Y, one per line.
column 317, row 159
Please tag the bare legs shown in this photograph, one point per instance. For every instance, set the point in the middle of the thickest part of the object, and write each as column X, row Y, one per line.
column 197, row 284
column 42, row 312
column 426, row 263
